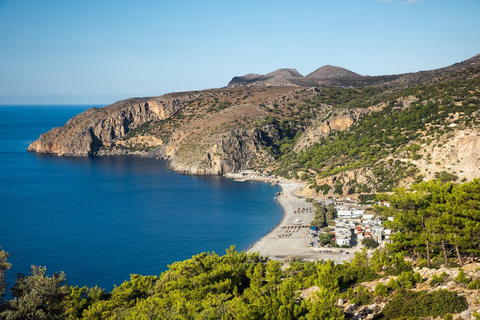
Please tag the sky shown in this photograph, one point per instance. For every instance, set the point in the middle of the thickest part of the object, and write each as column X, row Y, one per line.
column 99, row 52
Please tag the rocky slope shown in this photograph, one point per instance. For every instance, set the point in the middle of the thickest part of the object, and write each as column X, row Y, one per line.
column 331, row 119
column 377, row 305
column 209, row 132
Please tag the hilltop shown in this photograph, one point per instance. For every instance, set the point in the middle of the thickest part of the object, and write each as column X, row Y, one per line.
column 340, row 77
column 370, row 136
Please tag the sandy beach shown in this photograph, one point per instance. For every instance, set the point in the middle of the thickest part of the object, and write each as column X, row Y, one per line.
column 291, row 237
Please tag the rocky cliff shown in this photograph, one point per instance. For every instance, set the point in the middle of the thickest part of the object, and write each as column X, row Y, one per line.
column 208, row 132
column 87, row 133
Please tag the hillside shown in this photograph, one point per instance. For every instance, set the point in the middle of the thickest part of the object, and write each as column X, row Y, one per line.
column 353, row 140
column 238, row 285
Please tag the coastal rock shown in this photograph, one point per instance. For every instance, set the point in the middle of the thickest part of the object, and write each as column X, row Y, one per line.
column 227, row 152
column 202, row 143
column 85, row 134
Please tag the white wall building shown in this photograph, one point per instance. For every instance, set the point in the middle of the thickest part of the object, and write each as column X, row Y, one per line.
column 349, row 214
column 343, row 236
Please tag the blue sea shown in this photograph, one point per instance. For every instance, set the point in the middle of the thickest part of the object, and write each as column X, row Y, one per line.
column 101, row 219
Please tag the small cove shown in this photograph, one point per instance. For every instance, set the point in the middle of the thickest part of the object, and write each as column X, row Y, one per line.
column 101, row 219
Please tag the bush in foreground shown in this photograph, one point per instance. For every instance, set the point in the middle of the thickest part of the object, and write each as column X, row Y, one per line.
column 409, row 303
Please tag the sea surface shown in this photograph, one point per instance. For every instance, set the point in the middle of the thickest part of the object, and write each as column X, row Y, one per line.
column 101, row 219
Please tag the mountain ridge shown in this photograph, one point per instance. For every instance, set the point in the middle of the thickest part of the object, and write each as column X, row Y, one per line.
column 329, row 75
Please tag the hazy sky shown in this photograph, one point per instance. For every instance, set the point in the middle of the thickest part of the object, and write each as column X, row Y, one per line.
column 91, row 51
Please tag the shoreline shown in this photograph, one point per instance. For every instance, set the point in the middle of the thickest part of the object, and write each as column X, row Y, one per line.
column 291, row 238
column 287, row 187
column 285, row 216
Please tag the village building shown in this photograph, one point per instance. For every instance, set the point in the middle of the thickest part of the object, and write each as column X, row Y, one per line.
column 344, row 213
column 387, row 233
column 343, row 236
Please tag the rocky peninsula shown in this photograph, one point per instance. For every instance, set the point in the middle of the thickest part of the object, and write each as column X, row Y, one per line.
column 278, row 122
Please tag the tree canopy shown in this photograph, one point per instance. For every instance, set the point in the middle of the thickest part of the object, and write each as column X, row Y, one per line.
column 435, row 212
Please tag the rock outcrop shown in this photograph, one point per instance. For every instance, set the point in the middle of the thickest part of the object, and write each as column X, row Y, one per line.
column 327, row 121
column 231, row 151
column 457, row 151
column 86, row 133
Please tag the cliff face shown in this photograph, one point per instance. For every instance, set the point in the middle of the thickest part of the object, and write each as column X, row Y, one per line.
column 219, row 143
column 457, row 151
column 227, row 152
column 86, row 133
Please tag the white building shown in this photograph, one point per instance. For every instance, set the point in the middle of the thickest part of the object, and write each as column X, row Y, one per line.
column 387, row 233
column 344, row 214
column 377, row 233
column 367, row 217
column 343, row 236
column 349, row 214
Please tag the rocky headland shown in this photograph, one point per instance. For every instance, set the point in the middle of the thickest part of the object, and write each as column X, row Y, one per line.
column 267, row 122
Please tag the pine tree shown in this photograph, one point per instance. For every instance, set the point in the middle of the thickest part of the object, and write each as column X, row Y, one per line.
column 4, row 266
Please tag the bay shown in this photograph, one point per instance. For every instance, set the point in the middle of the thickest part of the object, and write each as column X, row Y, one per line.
column 101, row 219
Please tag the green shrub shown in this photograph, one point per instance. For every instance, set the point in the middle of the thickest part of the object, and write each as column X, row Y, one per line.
column 338, row 188
column 462, row 278
column 393, row 285
column 369, row 243
column 357, row 274
column 446, row 176
column 409, row 303
column 397, row 265
column 474, row 285
column 361, row 296
column 380, row 290
column 408, row 279
column 325, row 188
column 438, row 280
